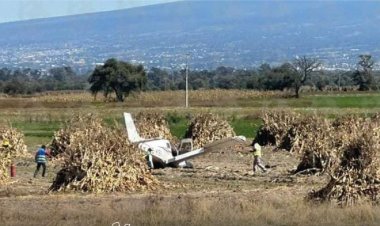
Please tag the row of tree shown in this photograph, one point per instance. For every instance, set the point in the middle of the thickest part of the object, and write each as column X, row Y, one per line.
column 121, row 78
column 29, row 81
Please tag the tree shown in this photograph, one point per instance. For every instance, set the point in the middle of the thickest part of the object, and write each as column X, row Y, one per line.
column 363, row 75
column 303, row 67
column 321, row 82
column 62, row 74
column 158, row 79
column 117, row 76
column 5, row 74
column 15, row 86
column 264, row 68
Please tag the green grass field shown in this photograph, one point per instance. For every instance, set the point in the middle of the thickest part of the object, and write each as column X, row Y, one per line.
column 242, row 126
column 38, row 122
column 367, row 100
column 37, row 133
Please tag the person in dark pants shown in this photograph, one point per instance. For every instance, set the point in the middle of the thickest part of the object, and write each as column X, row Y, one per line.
column 40, row 159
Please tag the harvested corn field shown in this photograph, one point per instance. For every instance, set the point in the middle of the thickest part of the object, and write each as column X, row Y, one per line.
column 99, row 159
column 301, row 165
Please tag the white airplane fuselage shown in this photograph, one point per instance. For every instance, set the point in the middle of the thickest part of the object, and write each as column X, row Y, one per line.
column 159, row 149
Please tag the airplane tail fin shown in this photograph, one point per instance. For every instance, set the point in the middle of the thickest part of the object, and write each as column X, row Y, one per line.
column 133, row 136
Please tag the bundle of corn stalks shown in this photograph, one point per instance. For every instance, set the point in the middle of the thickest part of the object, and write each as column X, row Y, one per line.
column 62, row 138
column 314, row 140
column 276, row 127
column 347, row 127
column 205, row 128
column 346, row 149
column 356, row 177
column 153, row 125
column 98, row 159
column 5, row 162
column 11, row 146
column 17, row 146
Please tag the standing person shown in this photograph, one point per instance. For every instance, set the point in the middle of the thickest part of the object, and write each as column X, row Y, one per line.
column 257, row 161
column 40, row 159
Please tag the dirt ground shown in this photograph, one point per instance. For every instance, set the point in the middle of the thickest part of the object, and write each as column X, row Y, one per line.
column 220, row 190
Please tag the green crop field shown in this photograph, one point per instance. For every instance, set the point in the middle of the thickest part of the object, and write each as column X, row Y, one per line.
column 41, row 119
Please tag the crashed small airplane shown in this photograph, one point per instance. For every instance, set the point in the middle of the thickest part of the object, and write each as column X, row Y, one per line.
column 160, row 152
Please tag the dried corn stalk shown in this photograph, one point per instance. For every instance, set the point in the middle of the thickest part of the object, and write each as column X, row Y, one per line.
column 275, row 127
column 356, row 178
column 99, row 159
column 62, row 138
column 346, row 148
column 153, row 125
column 5, row 161
column 309, row 137
column 314, row 140
column 17, row 146
column 15, row 149
column 205, row 128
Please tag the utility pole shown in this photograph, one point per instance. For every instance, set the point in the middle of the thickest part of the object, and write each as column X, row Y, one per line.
column 339, row 82
column 187, row 77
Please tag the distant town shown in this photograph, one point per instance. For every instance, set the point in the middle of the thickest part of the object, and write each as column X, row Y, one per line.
column 84, row 58
column 170, row 37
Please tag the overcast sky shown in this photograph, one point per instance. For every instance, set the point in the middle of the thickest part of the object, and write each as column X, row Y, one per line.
column 14, row 10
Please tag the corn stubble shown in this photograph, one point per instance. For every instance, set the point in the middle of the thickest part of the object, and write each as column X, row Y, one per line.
column 347, row 149
column 205, row 128
column 98, row 159
column 17, row 148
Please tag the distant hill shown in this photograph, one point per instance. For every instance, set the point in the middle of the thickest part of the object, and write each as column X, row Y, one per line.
column 240, row 34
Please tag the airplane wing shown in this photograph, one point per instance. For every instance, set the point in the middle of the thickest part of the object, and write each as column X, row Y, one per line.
column 187, row 155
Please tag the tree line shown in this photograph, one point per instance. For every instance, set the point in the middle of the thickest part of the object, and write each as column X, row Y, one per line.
column 121, row 78
column 302, row 71
column 29, row 81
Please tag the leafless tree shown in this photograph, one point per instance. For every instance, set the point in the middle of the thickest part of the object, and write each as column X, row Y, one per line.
column 303, row 67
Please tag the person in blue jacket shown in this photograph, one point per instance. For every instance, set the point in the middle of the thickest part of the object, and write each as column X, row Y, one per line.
column 40, row 159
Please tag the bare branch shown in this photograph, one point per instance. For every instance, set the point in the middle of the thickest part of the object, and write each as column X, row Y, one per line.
column 303, row 66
